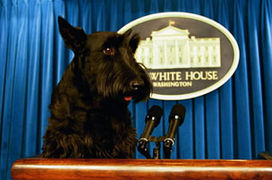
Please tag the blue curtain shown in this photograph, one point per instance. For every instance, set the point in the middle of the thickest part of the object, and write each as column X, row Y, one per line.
column 233, row 122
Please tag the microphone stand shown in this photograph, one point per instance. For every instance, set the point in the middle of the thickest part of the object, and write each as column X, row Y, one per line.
column 167, row 147
column 157, row 151
column 142, row 148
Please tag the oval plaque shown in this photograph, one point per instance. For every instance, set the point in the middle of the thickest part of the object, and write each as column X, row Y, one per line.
column 186, row 55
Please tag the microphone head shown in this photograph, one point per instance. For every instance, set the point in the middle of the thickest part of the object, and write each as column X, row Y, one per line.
column 177, row 112
column 154, row 114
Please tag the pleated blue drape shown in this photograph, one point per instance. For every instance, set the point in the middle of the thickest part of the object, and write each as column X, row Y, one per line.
column 233, row 122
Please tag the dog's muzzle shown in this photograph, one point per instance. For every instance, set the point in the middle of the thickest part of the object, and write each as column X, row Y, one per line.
column 135, row 87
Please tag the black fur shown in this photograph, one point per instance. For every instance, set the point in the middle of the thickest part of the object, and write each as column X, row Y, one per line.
column 89, row 111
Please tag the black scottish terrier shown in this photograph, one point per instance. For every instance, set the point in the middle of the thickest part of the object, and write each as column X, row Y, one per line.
column 89, row 106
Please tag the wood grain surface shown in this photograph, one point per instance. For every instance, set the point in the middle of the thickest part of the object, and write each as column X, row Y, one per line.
column 36, row 168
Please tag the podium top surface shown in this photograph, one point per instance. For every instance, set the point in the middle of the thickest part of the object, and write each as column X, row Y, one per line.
column 38, row 168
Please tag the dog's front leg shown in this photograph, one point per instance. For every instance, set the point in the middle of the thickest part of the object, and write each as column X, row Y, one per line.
column 60, row 145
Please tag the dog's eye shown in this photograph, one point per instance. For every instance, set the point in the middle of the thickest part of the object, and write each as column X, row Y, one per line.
column 109, row 51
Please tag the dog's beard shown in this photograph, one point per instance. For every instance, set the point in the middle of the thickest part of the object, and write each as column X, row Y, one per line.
column 115, row 86
column 112, row 81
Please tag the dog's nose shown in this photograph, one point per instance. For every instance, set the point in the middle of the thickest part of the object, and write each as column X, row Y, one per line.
column 136, row 84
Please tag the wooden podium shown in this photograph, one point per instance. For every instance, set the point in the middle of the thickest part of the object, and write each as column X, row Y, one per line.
column 36, row 168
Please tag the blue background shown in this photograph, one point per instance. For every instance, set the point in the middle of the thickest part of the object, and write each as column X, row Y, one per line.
column 233, row 122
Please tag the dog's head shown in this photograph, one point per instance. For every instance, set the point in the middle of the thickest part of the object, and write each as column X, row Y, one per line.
column 106, row 61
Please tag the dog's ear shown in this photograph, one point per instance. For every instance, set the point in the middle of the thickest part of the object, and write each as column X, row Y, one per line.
column 133, row 40
column 74, row 37
column 127, row 33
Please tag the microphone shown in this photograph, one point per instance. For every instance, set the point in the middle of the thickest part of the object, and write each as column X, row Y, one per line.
column 152, row 120
column 176, row 118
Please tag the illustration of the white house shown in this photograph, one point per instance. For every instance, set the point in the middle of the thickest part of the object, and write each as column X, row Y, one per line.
column 172, row 47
